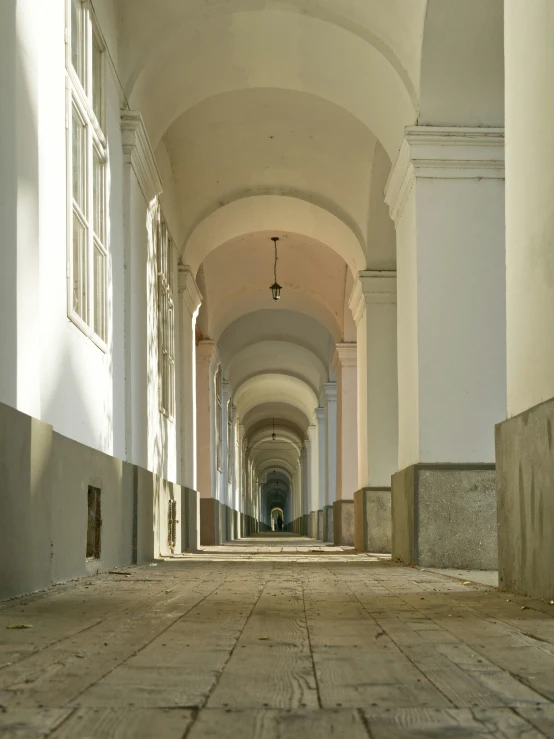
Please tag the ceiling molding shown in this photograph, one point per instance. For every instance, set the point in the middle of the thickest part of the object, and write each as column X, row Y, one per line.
column 137, row 151
column 441, row 152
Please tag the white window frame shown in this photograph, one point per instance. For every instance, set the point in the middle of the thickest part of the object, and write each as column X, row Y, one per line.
column 163, row 250
column 80, row 97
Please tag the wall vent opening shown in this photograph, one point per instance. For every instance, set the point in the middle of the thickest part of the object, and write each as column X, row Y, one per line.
column 94, row 523
column 172, row 524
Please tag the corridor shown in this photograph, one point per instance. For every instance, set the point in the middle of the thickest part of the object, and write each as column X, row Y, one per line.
column 275, row 636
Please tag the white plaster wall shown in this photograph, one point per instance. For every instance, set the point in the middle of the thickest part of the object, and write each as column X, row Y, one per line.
column 529, row 29
column 8, row 204
column 81, row 387
column 461, row 318
column 19, row 205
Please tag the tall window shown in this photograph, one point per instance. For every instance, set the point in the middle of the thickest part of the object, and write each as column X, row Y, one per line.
column 229, row 444
column 166, row 315
column 218, row 420
column 87, row 156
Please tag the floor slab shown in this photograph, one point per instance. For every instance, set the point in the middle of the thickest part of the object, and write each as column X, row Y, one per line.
column 276, row 636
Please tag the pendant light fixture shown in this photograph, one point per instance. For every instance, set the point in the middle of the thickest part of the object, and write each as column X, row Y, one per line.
column 273, row 435
column 275, row 288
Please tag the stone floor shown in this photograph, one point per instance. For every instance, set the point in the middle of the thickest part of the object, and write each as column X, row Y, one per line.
column 280, row 638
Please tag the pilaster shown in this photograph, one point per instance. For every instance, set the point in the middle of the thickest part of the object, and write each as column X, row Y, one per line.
column 322, row 455
column 207, row 362
column 373, row 305
column 345, row 368
column 330, row 404
column 189, row 303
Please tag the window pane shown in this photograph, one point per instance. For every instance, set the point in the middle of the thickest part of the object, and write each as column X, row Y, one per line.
column 170, row 331
column 97, row 79
column 77, row 39
column 78, row 148
column 98, row 207
column 79, row 268
column 99, row 293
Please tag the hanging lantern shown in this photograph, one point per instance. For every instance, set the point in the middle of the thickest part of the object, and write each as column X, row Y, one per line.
column 275, row 288
column 274, row 435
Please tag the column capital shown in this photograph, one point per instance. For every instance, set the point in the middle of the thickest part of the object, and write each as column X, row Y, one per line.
column 330, row 389
column 345, row 355
column 443, row 152
column 206, row 353
column 137, row 151
column 188, row 289
column 225, row 390
column 320, row 414
column 372, row 287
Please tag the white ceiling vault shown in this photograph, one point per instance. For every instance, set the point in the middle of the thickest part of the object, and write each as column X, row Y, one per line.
column 281, row 118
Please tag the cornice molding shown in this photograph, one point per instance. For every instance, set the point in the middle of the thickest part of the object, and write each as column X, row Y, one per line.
column 372, row 287
column 441, row 152
column 330, row 389
column 345, row 355
column 206, row 353
column 188, row 289
column 137, row 151
column 225, row 390
column 320, row 414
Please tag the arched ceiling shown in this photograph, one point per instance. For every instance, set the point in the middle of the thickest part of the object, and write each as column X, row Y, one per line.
column 275, row 388
column 237, row 277
column 394, row 29
column 279, row 357
column 265, row 141
column 271, row 324
column 190, row 53
column 281, row 411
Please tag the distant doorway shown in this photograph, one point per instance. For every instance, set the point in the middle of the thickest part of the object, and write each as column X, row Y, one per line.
column 277, row 519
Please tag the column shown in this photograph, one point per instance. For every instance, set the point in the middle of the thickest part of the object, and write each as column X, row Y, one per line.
column 189, row 304
column 313, row 489
column 373, row 305
column 524, row 458
column 224, row 491
column 234, row 473
column 304, row 456
column 322, row 468
column 345, row 368
column 330, row 405
column 446, row 196
column 207, row 363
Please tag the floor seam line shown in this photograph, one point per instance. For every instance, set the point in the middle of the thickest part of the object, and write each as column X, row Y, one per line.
column 218, row 678
column 319, row 703
column 452, row 705
column 182, row 615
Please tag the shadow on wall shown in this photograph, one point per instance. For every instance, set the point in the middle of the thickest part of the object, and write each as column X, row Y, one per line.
column 44, row 508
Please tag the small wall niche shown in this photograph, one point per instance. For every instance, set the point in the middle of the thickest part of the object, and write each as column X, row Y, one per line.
column 94, row 523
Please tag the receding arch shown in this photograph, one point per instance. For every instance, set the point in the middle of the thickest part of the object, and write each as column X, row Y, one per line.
column 273, row 213
column 253, row 301
column 280, row 409
column 284, row 356
column 278, row 389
